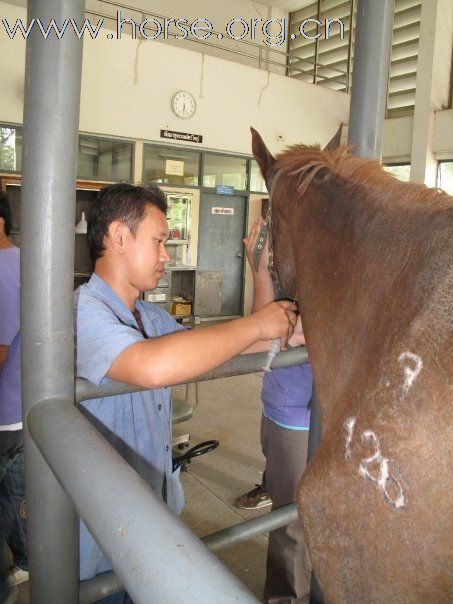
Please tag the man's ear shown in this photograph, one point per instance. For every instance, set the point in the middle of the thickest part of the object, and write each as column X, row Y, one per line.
column 262, row 155
column 116, row 235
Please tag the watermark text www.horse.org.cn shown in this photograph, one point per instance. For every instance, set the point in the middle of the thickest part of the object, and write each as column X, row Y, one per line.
column 272, row 32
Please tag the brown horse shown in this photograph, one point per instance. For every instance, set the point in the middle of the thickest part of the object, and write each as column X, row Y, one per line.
column 371, row 260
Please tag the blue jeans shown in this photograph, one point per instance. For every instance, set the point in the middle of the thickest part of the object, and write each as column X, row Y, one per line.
column 13, row 531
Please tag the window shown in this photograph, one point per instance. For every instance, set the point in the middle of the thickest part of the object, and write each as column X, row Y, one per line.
column 445, row 176
column 257, row 183
column 170, row 166
column 321, row 53
column 224, row 170
column 400, row 171
column 403, row 66
column 106, row 160
column 10, row 148
column 328, row 60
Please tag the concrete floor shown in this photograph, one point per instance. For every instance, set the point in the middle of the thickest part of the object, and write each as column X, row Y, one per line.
column 229, row 410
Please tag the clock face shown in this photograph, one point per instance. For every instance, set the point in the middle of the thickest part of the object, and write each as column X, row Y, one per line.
column 183, row 104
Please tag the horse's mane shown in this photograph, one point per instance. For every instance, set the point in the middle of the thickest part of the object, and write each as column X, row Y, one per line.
column 304, row 162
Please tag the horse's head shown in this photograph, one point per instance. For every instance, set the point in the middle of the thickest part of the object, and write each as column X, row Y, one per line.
column 282, row 250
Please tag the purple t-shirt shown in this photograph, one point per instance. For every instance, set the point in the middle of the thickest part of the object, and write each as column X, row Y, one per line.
column 10, row 391
column 285, row 395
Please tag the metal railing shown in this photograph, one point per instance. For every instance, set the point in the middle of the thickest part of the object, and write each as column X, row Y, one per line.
column 259, row 53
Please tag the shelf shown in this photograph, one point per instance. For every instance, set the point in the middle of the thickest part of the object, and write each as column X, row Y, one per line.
column 179, row 267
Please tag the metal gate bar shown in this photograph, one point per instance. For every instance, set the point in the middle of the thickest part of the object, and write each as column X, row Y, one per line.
column 154, row 554
column 240, row 365
column 108, row 583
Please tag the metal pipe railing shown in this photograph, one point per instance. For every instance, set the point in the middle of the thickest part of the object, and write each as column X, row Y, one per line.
column 108, row 584
column 240, row 365
column 285, row 56
column 51, row 118
column 154, row 554
column 251, row 528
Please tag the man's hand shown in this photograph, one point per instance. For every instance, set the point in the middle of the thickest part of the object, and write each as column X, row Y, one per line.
column 276, row 320
column 298, row 337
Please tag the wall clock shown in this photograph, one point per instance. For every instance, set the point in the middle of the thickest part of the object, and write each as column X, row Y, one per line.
column 183, row 104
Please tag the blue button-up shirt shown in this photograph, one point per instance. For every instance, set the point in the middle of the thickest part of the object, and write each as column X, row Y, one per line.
column 137, row 425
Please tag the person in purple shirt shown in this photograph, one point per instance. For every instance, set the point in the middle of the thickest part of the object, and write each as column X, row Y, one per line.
column 12, row 491
column 285, row 422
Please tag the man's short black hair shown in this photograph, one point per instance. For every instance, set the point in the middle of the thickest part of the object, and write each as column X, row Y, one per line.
column 5, row 213
column 122, row 202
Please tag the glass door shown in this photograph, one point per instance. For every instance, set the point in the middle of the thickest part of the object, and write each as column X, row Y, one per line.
column 178, row 215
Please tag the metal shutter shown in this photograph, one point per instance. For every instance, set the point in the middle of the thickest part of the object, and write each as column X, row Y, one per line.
column 328, row 62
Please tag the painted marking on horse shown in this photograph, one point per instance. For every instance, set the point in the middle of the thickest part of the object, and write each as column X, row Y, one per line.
column 410, row 373
column 349, row 426
column 384, row 478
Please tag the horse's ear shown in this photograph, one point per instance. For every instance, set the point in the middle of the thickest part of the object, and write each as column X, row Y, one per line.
column 335, row 142
column 262, row 154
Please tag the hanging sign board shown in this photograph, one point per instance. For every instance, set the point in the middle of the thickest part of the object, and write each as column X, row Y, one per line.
column 174, row 167
column 224, row 190
column 181, row 136
column 224, row 211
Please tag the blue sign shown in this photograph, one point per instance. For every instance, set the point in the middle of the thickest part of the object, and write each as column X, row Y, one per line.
column 224, row 190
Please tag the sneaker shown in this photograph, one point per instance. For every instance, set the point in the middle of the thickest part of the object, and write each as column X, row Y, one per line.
column 19, row 576
column 254, row 499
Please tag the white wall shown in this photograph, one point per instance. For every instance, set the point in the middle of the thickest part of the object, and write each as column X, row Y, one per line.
column 127, row 85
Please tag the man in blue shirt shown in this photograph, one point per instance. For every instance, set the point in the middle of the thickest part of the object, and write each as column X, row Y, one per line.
column 122, row 338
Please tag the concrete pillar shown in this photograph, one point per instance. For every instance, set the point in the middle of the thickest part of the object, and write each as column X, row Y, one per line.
column 432, row 85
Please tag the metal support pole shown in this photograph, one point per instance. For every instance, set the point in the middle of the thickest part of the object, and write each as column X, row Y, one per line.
column 372, row 47
column 154, row 554
column 51, row 115
column 314, row 437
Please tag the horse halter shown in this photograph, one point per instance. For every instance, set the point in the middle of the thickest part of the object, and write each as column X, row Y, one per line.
column 266, row 233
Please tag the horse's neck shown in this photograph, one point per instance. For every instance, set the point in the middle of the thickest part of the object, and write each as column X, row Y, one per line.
column 358, row 275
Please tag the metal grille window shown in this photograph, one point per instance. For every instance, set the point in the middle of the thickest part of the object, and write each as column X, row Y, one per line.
column 403, row 67
column 324, row 55
column 320, row 43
